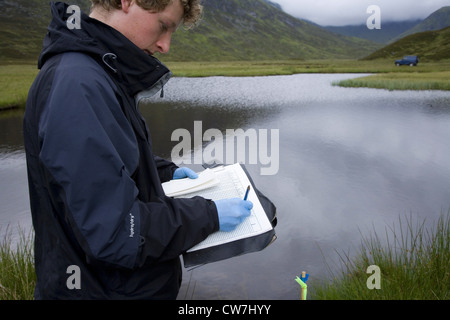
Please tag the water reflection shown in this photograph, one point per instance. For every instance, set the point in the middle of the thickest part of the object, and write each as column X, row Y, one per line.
column 350, row 160
column 14, row 201
column 163, row 118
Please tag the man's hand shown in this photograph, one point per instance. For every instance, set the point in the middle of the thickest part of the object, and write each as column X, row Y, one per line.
column 232, row 212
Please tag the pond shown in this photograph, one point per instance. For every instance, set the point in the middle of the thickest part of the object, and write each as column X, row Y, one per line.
column 345, row 162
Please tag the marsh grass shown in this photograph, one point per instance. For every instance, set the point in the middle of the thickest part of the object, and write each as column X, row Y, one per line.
column 17, row 276
column 287, row 67
column 414, row 262
column 401, row 81
column 284, row 67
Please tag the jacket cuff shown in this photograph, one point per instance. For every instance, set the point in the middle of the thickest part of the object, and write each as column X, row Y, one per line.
column 214, row 214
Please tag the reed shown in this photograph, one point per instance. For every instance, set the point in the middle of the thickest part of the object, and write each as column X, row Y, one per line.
column 401, row 81
column 414, row 263
column 17, row 276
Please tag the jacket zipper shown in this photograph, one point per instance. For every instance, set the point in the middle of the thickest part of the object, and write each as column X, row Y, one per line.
column 150, row 92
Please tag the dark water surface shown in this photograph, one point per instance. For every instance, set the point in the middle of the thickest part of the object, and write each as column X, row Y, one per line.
column 350, row 161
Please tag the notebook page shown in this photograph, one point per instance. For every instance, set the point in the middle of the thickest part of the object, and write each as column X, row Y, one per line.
column 233, row 184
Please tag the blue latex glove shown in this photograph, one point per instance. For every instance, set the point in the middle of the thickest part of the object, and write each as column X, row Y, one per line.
column 181, row 173
column 232, row 212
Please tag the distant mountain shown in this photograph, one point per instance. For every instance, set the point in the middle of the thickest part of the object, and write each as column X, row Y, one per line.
column 393, row 31
column 388, row 31
column 230, row 30
column 259, row 30
column 436, row 21
column 428, row 45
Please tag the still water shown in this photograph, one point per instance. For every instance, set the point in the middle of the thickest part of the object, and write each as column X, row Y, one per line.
column 351, row 161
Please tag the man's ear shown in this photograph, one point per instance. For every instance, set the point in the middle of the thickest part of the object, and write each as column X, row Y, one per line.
column 126, row 4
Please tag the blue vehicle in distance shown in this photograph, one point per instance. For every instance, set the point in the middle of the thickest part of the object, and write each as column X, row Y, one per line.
column 408, row 61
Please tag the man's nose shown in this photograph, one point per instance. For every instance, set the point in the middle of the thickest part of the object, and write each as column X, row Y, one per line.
column 163, row 44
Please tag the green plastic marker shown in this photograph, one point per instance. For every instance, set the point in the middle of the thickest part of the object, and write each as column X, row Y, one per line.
column 304, row 290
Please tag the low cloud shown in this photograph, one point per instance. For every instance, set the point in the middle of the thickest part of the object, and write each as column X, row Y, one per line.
column 353, row 12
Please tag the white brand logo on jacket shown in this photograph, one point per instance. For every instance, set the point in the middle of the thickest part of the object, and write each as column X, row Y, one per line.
column 131, row 225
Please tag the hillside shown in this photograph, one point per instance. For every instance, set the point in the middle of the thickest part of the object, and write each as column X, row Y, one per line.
column 428, row 45
column 257, row 30
column 23, row 24
column 388, row 31
column 230, row 30
column 436, row 21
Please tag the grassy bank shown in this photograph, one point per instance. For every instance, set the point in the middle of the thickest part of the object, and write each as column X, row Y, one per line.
column 15, row 80
column 414, row 263
column 287, row 67
column 401, row 81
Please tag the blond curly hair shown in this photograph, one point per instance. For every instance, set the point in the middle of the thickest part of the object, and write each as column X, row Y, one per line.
column 192, row 8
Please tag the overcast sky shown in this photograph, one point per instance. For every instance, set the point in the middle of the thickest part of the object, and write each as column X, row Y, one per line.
column 351, row 12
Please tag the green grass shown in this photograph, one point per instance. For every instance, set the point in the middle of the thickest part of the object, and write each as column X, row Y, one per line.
column 17, row 276
column 401, row 81
column 15, row 81
column 286, row 67
column 414, row 263
column 426, row 76
column 428, row 45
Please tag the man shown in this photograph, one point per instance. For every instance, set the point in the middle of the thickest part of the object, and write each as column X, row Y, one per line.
column 104, row 228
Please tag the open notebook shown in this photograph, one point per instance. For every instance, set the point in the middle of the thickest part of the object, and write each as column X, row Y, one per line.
column 220, row 183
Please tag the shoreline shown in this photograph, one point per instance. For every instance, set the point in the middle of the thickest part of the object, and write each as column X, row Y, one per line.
column 15, row 79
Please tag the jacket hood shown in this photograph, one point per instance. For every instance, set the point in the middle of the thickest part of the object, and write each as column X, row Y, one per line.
column 123, row 60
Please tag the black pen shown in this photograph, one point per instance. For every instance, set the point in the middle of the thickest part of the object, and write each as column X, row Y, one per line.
column 246, row 193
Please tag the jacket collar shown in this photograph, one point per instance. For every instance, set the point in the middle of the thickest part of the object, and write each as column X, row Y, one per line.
column 125, row 62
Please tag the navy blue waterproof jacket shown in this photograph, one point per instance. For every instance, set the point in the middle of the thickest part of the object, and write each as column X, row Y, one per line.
column 104, row 228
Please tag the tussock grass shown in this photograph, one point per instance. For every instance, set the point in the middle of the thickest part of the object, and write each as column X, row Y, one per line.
column 401, row 81
column 414, row 263
column 17, row 276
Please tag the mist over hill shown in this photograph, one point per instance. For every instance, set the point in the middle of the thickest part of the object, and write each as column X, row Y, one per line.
column 388, row 32
column 392, row 31
column 438, row 20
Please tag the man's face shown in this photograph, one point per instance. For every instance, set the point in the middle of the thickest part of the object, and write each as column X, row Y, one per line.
column 151, row 31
